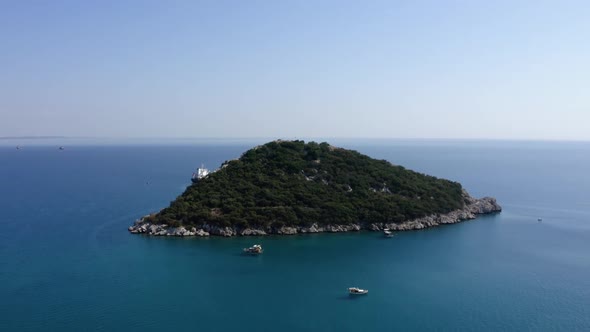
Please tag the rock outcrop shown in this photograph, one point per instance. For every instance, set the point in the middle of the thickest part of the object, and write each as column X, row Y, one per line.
column 473, row 207
column 141, row 227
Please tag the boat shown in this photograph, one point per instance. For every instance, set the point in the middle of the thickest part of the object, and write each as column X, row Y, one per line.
column 62, row 148
column 255, row 249
column 357, row 291
column 387, row 233
column 539, row 220
column 201, row 173
column 18, row 147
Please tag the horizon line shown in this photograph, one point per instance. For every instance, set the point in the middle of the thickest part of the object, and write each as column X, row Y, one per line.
column 305, row 138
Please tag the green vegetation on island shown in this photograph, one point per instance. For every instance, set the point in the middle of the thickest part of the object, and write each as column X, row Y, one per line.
column 293, row 183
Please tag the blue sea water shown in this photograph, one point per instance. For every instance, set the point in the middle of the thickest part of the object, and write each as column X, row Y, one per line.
column 67, row 262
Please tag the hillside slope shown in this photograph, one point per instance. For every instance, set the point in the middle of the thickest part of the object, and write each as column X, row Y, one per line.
column 296, row 184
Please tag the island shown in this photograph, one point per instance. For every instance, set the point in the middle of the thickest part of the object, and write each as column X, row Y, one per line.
column 294, row 187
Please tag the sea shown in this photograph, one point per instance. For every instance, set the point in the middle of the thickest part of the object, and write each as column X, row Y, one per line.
column 68, row 263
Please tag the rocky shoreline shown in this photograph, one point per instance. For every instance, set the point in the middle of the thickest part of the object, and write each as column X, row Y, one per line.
column 471, row 210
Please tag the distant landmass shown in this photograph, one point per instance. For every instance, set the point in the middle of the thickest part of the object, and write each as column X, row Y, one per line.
column 30, row 137
column 290, row 187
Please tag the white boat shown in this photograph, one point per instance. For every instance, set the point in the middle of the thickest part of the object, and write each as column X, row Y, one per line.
column 357, row 291
column 387, row 233
column 255, row 249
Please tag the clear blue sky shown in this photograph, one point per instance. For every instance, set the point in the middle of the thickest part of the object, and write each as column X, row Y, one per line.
column 399, row 69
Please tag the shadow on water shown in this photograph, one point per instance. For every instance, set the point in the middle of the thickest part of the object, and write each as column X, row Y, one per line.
column 350, row 297
column 244, row 254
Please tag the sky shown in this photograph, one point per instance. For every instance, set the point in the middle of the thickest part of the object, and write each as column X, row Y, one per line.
column 231, row 69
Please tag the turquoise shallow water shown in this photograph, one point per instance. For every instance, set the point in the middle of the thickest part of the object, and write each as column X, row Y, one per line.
column 67, row 262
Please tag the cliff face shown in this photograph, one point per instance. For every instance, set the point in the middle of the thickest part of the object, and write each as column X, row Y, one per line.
column 472, row 209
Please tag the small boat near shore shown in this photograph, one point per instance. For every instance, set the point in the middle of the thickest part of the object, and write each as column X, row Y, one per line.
column 387, row 233
column 255, row 249
column 357, row 291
